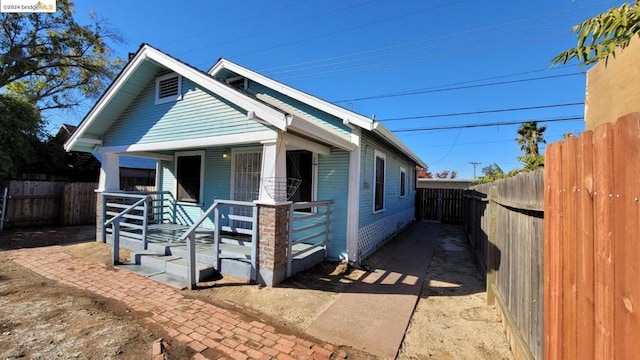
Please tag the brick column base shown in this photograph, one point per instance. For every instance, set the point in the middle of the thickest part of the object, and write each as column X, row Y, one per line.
column 272, row 243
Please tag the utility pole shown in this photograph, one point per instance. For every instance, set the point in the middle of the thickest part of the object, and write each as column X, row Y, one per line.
column 474, row 163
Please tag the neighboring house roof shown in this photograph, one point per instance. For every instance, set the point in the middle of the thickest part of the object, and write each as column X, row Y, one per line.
column 348, row 117
column 145, row 64
column 444, row 183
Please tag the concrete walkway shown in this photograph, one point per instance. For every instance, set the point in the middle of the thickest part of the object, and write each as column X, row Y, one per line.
column 374, row 313
column 206, row 328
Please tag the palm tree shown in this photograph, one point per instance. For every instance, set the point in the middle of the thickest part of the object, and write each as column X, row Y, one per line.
column 529, row 136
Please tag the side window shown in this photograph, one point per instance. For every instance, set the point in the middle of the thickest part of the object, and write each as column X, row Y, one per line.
column 403, row 182
column 189, row 170
column 380, row 161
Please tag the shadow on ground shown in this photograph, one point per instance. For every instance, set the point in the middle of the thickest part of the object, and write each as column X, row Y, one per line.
column 46, row 236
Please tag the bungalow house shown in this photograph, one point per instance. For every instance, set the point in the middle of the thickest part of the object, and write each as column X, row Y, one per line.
column 255, row 178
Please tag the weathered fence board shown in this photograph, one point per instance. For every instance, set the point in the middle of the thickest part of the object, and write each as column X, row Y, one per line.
column 34, row 203
column 505, row 226
column 591, row 255
column 444, row 205
column 79, row 203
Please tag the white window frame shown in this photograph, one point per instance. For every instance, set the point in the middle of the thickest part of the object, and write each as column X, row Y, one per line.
column 378, row 154
column 403, row 171
column 202, row 162
column 166, row 99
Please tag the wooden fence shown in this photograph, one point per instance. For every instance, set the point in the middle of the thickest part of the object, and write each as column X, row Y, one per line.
column 504, row 223
column 592, row 247
column 444, row 205
column 34, row 203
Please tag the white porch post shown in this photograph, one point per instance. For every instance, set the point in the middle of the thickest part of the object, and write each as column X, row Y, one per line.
column 274, row 167
column 109, row 173
column 353, row 206
column 109, row 181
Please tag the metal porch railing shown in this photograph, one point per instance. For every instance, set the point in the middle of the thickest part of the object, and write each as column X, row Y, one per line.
column 310, row 228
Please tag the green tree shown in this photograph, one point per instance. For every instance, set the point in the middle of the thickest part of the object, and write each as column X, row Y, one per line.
column 601, row 35
column 491, row 173
column 52, row 61
column 529, row 136
column 19, row 131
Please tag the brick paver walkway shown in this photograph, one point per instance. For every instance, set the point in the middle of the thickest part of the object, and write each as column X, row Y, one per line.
column 201, row 325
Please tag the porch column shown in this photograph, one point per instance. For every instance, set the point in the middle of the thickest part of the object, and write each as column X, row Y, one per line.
column 273, row 185
column 272, row 243
column 109, row 181
column 353, row 206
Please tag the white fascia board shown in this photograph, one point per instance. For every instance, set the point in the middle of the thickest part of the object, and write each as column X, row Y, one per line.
column 211, row 141
column 105, row 98
column 264, row 112
column 382, row 131
column 296, row 142
column 151, row 155
column 335, row 110
column 147, row 52
column 317, row 132
column 89, row 141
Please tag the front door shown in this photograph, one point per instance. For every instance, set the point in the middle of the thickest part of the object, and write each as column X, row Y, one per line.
column 245, row 181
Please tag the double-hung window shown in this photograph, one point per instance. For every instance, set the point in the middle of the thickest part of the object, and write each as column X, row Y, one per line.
column 403, row 182
column 379, row 171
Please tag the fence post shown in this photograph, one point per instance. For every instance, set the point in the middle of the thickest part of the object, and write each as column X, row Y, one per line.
column 115, row 250
column 492, row 245
column 191, row 262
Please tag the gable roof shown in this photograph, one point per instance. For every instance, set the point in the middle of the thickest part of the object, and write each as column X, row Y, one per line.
column 348, row 117
column 144, row 64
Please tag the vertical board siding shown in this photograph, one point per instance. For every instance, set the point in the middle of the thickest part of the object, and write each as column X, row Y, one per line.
column 79, row 203
column 199, row 114
column 333, row 180
column 592, row 293
column 505, row 228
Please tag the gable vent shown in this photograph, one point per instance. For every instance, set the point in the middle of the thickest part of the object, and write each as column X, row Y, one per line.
column 168, row 88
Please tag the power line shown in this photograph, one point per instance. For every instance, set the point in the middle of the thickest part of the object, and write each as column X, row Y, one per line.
column 460, row 87
column 351, row 28
column 385, row 48
column 482, row 112
column 465, row 82
column 467, row 126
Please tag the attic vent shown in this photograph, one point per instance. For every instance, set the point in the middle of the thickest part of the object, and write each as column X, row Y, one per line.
column 168, row 88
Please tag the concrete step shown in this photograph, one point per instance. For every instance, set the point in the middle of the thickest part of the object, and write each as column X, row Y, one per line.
column 155, row 275
column 178, row 268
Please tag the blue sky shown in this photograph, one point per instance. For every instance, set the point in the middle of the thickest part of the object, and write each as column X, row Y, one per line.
column 447, row 51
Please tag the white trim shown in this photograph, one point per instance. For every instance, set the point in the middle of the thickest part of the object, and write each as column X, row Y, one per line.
column 353, row 199
column 172, row 98
column 297, row 143
column 151, row 155
column 400, row 182
column 145, row 53
column 311, row 100
column 314, row 178
column 301, row 122
column 379, row 154
column 297, row 123
column 175, row 171
column 382, row 131
column 222, row 140
column 89, row 141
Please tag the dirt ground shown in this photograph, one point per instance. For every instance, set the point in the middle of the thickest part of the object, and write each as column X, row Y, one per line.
column 451, row 320
column 42, row 319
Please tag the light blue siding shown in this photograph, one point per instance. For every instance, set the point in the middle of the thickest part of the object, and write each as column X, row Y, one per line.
column 393, row 203
column 217, row 184
column 333, row 184
column 199, row 114
column 310, row 112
